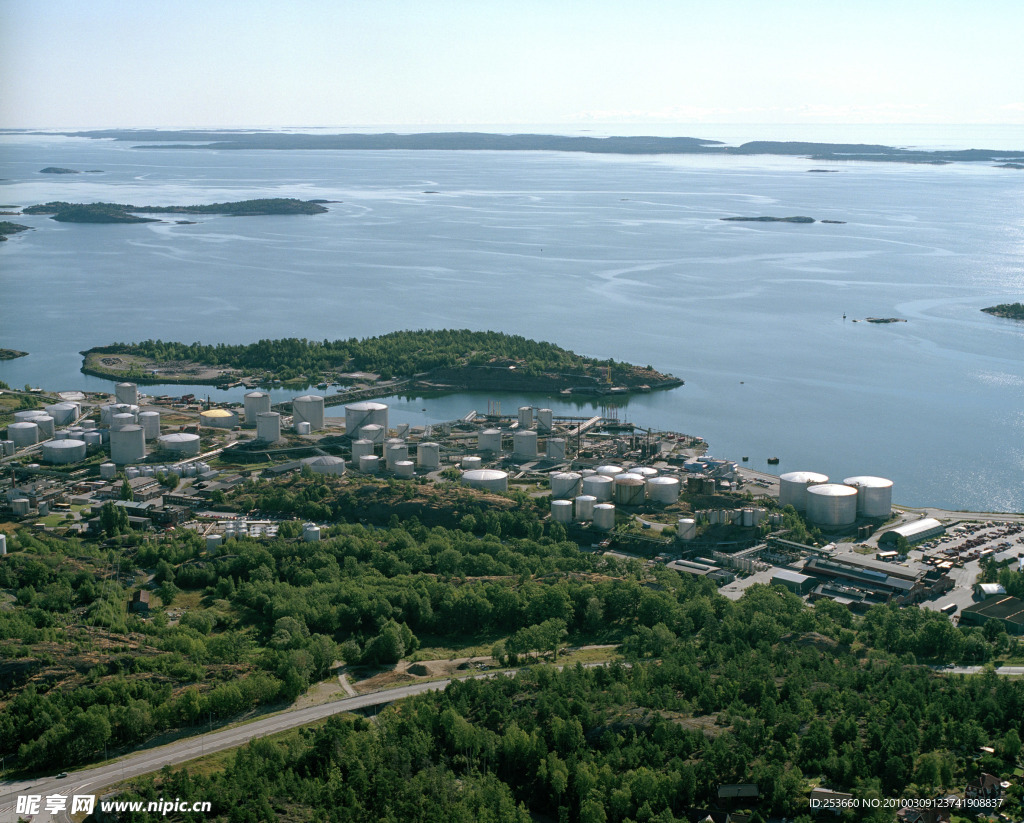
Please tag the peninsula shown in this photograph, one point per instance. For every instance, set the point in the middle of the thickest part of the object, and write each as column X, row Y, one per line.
column 125, row 213
column 1015, row 311
column 7, row 227
column 437, row 360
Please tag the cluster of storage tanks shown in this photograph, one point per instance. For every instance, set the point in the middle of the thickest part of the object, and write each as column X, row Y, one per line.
column 750, row 516
column 108, row 471
column 835, row 505
column 596, row 492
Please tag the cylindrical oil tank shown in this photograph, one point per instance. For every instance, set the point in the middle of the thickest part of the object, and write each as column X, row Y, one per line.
column 545, row 420
column 565, row 485
column 88, row 425
column 599, row 486
column 686, row 528
column 120, row 420
column 585, row 507
column 759, row 515
column 131, row 472
column 23, row 433
column 525, row 417
column 255, row 404
column 793, row 488
column 45, row 425
column 309, row 409
column 202, row 468
column 610, row 470
column 373, row 432
column 147, row 471
column 361, row 448
column 405, row 469
column 326, row 464
column 369, row 464
column 561, row 511
column 630, row 490
column 525, row 444
column 471, row 462
column 604, row 517
column 369, row 413
column 428, row 456
column 268, row 427
column 27, row 415
column 748, row 517
column 663, row 490
column 646, row 471
column 6, row 447
column 20, row 506
column 213, row 543
column 3, row 544
column 311, row 533
column 394, row 453
column 556, row 448
column 127, row 444
column 182, row 444
column 189, row 470
column 489, row 440
column 303, row 427
column 63, row 414
column 150, row 422
column 587, row 472
column 874, row 495
column 832, row 505
column 126, row 393
column 219, row 418
column 108, row 471
column 488, row 479
column 64, row 451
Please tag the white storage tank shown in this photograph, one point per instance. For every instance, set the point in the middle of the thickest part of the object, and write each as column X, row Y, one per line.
column 545, row 420
column 27, row 415
column 218, row 418
column 120, row 420
column 832, row 505
column 23, row 433
column 147, row 471
column 63, row 414
column 150, row 422
column 213, row 543
column 793, row 488
column 686, row 528
column 405, row 469
column 64, row 451
column 489, row 440
column 311, row 533
column 645, row 471
column 255, row 403
column 303, row 427
column 487, row 479
column 369, row 413
column 108, row 471
column 268, row 427
column 525, row 444
column 369, row 464
column 585, row 507
column 126, row 393
column 395, row 452
column 309, row 409
column 182, row 444
column 373, row 433
column 428, row 456
column 561, row 511
column 874, row 495
column 131, row 472
column 326, row 464
column 630, row 490
column 663, row 490
column 88, row 425
column 748, row 517
column 20, row 506
column 604, row 517
column 3, row 544
column 525, row 417
column 599, row 487
column 62, row 435
column 610, row 470
column 127, row 444
column 6, row 447
column 361, row 448
column 471, row 462
column 565, row 485
column 556, row 448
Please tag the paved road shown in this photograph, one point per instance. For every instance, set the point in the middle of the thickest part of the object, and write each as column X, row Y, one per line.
column 1003, row 670
column 94, row 780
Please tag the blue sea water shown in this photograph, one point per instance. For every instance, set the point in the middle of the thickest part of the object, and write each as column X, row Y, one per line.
column 612, row 256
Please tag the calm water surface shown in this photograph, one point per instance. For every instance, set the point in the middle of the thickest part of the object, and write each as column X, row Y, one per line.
column 622, row 257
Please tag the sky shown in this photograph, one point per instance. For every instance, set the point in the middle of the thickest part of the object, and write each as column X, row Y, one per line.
column 252, row 63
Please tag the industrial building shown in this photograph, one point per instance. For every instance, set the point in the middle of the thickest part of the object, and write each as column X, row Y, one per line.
column 1007, row 610
column 858, row 580
column 797, row 583
column 915, row 532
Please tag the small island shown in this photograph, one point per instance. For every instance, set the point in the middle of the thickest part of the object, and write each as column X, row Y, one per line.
column 885, row 319
column 445, row 360
column 797, row 219
column 58, row 170
column 6, row 228
column 1014, row 311
column 126, row 213
column 12, row 354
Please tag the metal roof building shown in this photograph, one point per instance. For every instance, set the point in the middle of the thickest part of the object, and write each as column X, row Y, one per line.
column 1007, row 610
column 914, row 532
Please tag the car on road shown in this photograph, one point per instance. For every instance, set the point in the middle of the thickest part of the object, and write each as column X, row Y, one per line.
column 62, row 774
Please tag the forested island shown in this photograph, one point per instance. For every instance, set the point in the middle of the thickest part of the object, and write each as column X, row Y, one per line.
column 443, row 359
column 12, row 354
column 1015, row 311
column 7, row 227
column 125, row 213
column 479, row 141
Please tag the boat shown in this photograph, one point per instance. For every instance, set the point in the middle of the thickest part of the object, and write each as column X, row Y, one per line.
column 774, row 461
column 745, row 459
